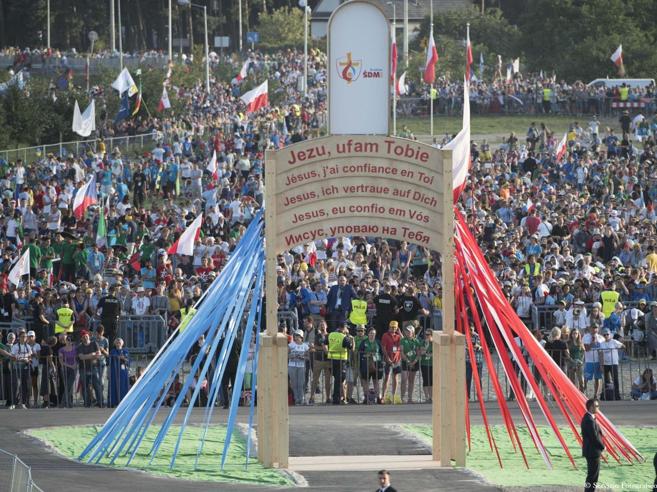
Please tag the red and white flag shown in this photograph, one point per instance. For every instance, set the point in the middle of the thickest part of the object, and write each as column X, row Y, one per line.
column 85, row 197
column 468, row 57
column 244, row 71
column 460, row 147
column 530, row 205
column 21, row 267
column 432, row 59
column 256, row 98
column 164, row 101
column 212, row 166
column 617, row 58
column 185, row 243
column 393, row 56
column 562, row 148
column 401, row 87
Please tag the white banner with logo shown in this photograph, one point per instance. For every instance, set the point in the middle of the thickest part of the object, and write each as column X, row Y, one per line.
column 359, row 70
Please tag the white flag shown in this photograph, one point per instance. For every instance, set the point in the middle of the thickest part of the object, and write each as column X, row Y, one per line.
column 22, row 267
column 516, row 65
column 86, row 122
column 77, row 117
column 124, row 83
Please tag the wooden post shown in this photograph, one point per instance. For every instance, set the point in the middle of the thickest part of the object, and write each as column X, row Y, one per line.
column 273, row 418
column 448, row 412
column 457, row 373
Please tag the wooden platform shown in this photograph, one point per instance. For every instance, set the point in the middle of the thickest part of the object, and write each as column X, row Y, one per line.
column 362, row 463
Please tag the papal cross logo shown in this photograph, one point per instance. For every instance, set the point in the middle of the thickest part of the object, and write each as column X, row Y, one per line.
column 349, row 69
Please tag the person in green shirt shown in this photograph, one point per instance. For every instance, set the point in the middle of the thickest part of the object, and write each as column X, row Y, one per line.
column 410, row 362
column 371, row 365
column 35, row 254
column 80, row 261
column 47, row 255
column 67, row 270
column 426, row 364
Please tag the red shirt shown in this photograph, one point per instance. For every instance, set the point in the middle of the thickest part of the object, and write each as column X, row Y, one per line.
column 391, row 344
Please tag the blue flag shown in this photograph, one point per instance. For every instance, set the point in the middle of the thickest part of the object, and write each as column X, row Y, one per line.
column 124, row 108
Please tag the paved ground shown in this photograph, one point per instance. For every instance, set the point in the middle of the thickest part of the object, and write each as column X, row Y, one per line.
column 314, row 431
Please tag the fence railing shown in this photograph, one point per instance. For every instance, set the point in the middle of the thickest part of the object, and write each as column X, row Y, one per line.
column 16, row 475
column 524, row 104
column 543, row 315
column 77, row 147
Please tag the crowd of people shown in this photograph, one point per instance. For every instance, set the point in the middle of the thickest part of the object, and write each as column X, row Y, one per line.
column 359, row 311
column 532, row 94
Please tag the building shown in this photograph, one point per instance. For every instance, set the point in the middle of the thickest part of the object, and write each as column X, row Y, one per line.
column 417, row 10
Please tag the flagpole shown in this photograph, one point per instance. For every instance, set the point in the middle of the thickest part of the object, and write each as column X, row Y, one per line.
column 394, row 75
column 120, row 35
column 431, row 87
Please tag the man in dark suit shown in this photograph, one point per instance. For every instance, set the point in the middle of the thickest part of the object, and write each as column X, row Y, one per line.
column 384, row 482
column 592, row 445
column 338, row 303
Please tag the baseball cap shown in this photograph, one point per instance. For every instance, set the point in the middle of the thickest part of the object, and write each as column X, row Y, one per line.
column 31, row 333
column 393, row 324
column 298, row 333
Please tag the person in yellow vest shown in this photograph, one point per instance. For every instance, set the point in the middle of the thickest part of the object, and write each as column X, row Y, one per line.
column 547, row 95
column 358, row 315
column 186, row 315
column 623, row 93
column 339, row 345
column 64, row 323
column 609, row 298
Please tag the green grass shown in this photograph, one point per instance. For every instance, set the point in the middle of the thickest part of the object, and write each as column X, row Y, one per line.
column 494, row 127
column 616, row 476
column 71, row 441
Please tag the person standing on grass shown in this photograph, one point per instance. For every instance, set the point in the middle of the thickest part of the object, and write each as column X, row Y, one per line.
column 384, row 482
column 592, row 445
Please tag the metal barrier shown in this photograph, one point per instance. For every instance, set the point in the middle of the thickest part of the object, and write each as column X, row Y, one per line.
column 12, row 326
column 76, row 147
column 142, row 334
column 543, row 315
column 18, row 474
column 411, row 106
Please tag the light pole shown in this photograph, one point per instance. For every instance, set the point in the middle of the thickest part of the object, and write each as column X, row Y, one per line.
column 120, row 35
column 170, row 34
column 207, row 46
column 239, row 19
column 112, row 27
column 394, row 75
column 304, row 5
column 48, row 27
column 406, row 33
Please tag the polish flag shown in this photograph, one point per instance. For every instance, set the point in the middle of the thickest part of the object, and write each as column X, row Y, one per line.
column 562, row 148
column 393, row 60
column 244, row 71
column 460, row 147
column 530, row 205
column 164, row 101
column 401, row 88
column 468, row 57
column 617, row 58
column 85, row 197
column 185, row 243
column 212, row 166
column 256, row 98
column 432, row 59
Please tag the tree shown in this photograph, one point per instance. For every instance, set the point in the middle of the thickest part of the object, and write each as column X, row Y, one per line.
column 283, row 28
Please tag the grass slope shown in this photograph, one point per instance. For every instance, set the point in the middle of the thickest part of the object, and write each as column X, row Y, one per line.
column 613, row 475
column 71, row 441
